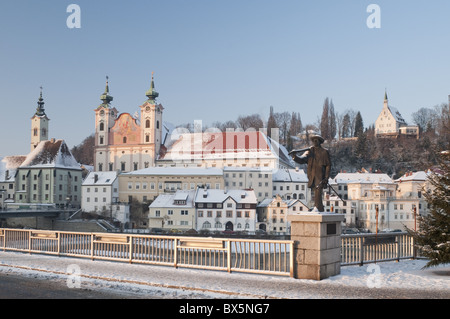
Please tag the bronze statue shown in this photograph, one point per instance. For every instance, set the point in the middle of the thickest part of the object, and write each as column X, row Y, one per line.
column 318, row 163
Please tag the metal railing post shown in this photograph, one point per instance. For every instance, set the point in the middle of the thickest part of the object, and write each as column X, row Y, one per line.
column 175, row 253
column 229, row 256
column 291, row 260
column 92, row 246
column 29, row 241
column 131, row 249
column 361, row 250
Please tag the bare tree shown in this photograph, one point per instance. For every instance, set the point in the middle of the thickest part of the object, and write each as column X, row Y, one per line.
column 250, row 121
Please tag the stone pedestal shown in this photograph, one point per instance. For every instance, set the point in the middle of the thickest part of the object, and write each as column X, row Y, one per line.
column 317, row 244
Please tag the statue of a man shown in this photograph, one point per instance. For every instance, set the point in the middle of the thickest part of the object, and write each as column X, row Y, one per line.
column 318, row 163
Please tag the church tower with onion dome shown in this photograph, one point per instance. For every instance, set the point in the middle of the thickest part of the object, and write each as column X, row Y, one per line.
column 125, row 142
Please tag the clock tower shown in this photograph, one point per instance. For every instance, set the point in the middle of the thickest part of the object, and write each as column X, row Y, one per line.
column 39, row 124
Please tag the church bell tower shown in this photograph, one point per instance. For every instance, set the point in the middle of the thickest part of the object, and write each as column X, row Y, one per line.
column 39, row 124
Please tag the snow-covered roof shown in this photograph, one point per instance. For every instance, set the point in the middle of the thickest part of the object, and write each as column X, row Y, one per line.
column 289, row 175
column 8, row 167
column 184, row 146
column 344, row 178
column 51, row 153
column 168, row 200
column 177, row 171
column 413, row 176
column 396, row 114
column 220, row 195
column 100, row 178
column 289, row 202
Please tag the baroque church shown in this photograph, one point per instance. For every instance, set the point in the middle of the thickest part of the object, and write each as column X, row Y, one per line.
column 128, row 143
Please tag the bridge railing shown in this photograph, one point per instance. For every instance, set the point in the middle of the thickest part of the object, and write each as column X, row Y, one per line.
column 241, row 255
column 359, row 249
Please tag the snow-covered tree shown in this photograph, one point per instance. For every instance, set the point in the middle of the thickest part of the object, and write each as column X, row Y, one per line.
column 433, row 235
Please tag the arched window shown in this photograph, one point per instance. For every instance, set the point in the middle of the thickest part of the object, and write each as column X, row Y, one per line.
column 35, row 132
column 157, row 124
column 102, row 126
column 124, row 140
column 218, row 225
column 147, row 138
column 147, row 124
column 206, row 225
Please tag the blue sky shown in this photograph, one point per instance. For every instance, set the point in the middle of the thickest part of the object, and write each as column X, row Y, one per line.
column 215, row 60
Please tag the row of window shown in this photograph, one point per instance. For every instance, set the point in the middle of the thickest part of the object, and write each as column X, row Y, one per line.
column 219, row 226
column 170, row 212
column 88, row 189
column 168, row 186
column 47, row 177
column 241, row 175
column 61, row 187
column 228, row 214
column 35, row 197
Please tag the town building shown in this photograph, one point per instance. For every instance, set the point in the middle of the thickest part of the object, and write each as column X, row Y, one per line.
column 147, row 184
column 8, row 169
column 257, row 178
column 226, row 210
column 273, row 212
column 100, row 195
column 173, row 212
column 371, row 199
column 291, row 184
column 49, row 175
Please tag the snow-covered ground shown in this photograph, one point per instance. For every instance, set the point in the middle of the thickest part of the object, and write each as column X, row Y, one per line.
column 381, row 280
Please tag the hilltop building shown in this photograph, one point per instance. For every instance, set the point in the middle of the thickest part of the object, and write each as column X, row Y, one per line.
column 390, row 123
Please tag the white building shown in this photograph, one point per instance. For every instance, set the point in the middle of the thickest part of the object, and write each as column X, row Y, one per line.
column 258, row 179
column 391, row 123
column 371, row 199
column 173, row 211
column 273, row 212
column 291, row 184
column 220, row 210
column 100, row 194
column 8, row 169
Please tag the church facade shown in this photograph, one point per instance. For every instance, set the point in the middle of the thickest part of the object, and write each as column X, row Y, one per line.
column 128, row 143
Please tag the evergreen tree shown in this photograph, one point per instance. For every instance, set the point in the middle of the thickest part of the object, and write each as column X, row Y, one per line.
column 332, row 121
column 346, row 126
column 359, row 126
column 271, row 122
column 433, row 236
column 325, row 121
